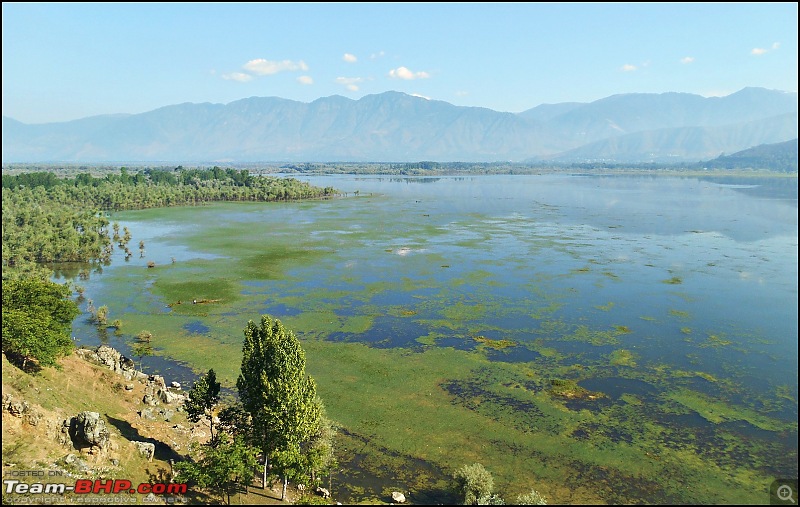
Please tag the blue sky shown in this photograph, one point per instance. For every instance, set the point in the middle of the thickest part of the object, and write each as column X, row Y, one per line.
column 72, row 60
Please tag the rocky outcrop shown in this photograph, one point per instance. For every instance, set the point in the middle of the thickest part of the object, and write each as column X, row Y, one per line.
column 113, row 360
column 88, row 430
column 146, row 449
column 21, row 409
column 398, row 497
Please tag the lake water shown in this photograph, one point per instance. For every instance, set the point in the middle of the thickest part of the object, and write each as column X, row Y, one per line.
column 673, row 299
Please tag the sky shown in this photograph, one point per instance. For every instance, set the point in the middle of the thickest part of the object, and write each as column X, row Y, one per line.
column 65, row 61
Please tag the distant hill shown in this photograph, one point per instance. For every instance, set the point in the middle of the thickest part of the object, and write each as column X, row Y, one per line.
column 396, row 127
column 774, row 157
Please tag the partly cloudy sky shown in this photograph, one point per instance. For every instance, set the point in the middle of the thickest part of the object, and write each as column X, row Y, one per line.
column 63, row 61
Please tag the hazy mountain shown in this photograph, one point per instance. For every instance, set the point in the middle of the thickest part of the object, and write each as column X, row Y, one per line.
column 775, row 157
column 684, row 143
column 394, row 126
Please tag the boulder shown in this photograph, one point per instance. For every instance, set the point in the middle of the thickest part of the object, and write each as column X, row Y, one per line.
column 109, row 357
column 147, row 413
column 17, row 408
column 324, row 493
column 398, row 497
column 146, row 449
column 87, row 429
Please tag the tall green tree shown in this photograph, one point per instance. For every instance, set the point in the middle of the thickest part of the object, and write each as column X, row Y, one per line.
column 203, row 397
column 277, row 393
column 37, row 319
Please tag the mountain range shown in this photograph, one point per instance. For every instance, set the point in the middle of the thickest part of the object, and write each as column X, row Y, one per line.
column 396, row 127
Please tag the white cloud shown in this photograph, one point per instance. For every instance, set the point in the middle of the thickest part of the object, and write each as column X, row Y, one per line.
column 349, row 58
column 306, row 80
column 262, row 67
column 420, row 96
column 407, row 74
column 687, row 59
column 628, row 67
column 237, row 76
column 758, row 51
column 776, row 45
column 351, row 83
column 379, row 54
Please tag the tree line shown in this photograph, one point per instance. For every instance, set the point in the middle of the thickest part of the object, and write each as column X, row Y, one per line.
column 49, row 218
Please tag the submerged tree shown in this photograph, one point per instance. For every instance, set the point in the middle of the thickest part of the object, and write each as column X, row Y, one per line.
column 277, row 393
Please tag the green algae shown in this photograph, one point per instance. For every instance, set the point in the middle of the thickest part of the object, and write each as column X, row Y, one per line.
column 717, row 412
column 622, row 357
column 494, row 344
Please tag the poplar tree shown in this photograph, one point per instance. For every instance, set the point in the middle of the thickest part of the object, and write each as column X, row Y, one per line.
column 277, row 393
column 203, row 397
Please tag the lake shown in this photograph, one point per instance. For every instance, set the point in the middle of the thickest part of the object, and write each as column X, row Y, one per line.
column 623, row 339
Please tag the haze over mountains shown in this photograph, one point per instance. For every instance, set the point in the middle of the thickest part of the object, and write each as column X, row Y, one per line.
column 396, row 127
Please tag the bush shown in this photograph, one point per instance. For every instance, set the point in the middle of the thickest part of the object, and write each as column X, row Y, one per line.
column 474, row 483
column 532, row 498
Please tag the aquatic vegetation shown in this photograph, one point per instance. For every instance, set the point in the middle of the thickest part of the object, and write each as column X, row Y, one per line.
column 391, row 341
column 716, row 341
column 675, row 280
column 494, row 344
column 717, row 411
column 622, row 357
column 571, row 390
column 680, row 314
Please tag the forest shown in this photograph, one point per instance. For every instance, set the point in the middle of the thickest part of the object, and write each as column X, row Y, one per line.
column 50, row 217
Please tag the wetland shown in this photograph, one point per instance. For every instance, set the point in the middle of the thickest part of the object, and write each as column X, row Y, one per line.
column 612, row 339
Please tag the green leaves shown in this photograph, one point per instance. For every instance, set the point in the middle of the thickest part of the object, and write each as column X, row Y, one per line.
column 203, row 396
column 37, row 316
column 276, row 391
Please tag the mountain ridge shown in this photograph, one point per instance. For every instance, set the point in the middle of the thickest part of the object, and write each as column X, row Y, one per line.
column 395, row 126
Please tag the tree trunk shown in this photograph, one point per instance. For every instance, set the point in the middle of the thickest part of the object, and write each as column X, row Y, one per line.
column 283, row 491
column 264, row 480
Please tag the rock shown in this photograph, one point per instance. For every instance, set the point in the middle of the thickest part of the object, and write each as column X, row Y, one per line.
column 398, row 497
column 126, row 364
column 109, row 357
column 158, row 380
column 17, row 408
column 151, row 400
column 168, row 397
column 166, row 413
column 33, row 418
column 176, row 385
column 324, row 493
column 147, row 413
column 115, row 462
column 88, row 429
column 129, row 387
column 146, row 449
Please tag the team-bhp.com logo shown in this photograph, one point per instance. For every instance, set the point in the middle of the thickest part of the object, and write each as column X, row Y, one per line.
column 88, row 487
